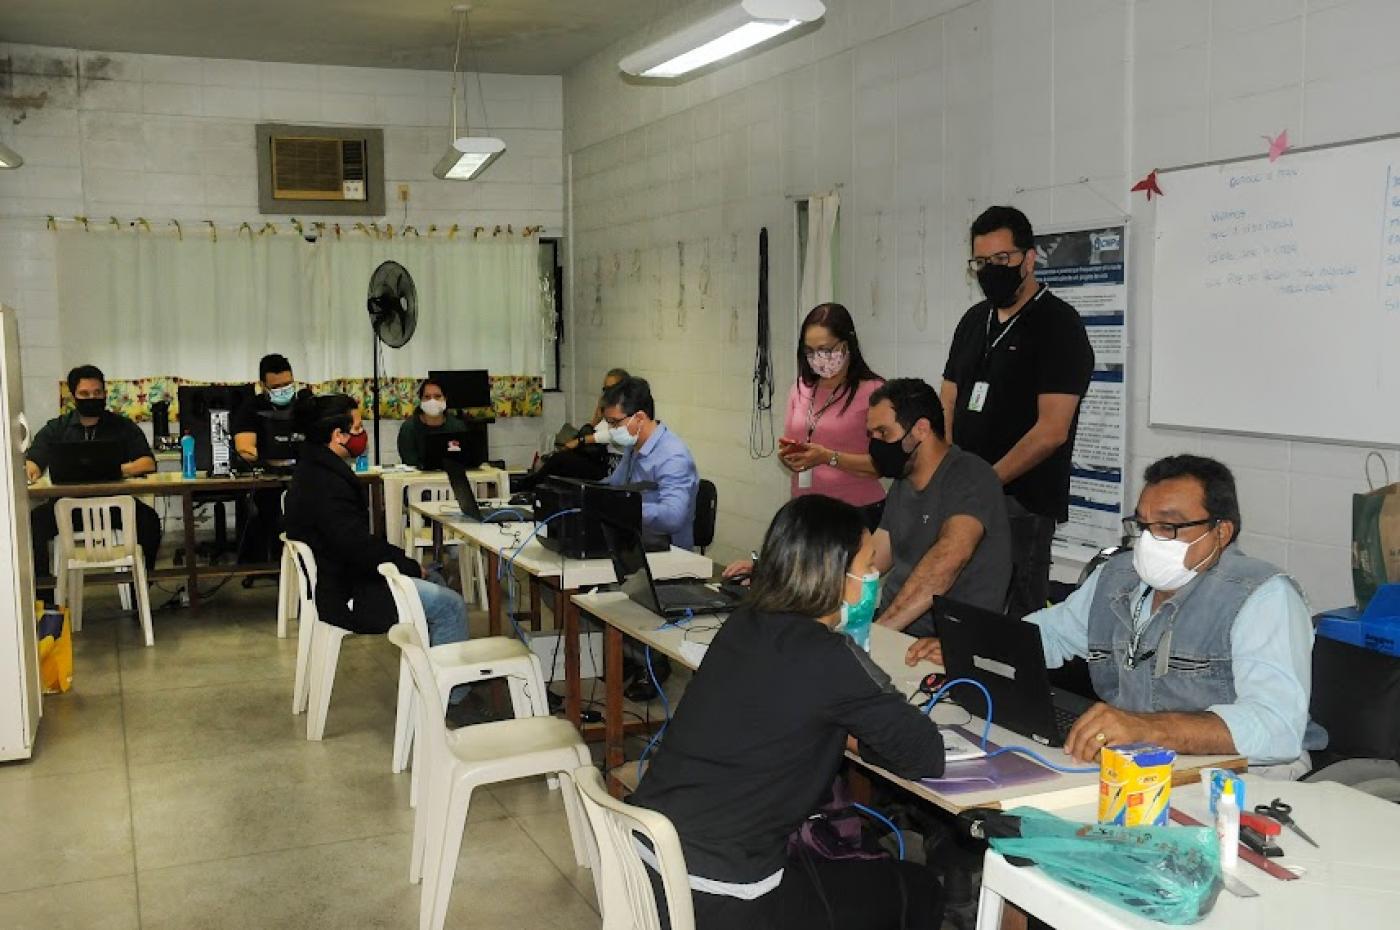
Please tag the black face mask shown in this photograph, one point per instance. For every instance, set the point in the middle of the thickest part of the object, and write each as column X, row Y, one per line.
column 90, row 406
column 889, row 458
column 1000, row 283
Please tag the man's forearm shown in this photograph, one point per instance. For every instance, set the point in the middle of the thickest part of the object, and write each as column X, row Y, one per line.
column 1198, row 734
column 933, row 575
column 1039, row 443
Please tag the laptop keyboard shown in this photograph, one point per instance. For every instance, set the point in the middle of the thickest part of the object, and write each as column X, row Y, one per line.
column 1064, row 719
column 688, row 596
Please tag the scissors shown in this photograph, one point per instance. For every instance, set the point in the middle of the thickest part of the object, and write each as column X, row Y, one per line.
column 1281, row 812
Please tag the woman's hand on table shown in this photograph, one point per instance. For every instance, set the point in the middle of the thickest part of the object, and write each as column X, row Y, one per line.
column 925, row 649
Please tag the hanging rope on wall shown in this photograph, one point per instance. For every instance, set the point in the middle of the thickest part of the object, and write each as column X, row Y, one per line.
column 761, row 441
column 921, row 306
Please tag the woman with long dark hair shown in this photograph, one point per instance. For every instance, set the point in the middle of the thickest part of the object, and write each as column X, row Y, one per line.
column 803, row 692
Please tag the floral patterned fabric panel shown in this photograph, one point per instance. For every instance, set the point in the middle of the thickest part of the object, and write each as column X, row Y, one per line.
column 511, row 396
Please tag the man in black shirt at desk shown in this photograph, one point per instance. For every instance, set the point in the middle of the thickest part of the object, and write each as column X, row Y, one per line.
column 91, row 421
column 265, row 435
column 1019, row 364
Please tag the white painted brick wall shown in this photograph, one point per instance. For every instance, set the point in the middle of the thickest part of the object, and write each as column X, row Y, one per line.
column 163, row 137
column 951, row 106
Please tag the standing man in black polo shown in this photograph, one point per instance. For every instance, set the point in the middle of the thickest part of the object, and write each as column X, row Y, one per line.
column 1019, row 364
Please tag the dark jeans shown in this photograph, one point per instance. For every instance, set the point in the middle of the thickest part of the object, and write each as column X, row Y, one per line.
column 260, row 543
column 1031, row 534
column 819, row 894
column 43, row 523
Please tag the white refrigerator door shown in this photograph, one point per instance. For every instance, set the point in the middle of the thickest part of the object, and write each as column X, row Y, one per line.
column 20, row 700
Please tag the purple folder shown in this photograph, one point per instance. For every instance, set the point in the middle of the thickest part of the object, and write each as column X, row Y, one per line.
column 984, row 774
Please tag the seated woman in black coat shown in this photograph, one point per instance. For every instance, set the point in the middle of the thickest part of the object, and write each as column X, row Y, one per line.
column 328, row 509
column 758, row 739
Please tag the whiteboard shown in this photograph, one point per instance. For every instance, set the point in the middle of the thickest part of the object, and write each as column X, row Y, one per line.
column 1276, row 296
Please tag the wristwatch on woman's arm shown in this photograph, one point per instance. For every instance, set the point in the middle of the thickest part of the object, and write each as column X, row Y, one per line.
column 832, row 461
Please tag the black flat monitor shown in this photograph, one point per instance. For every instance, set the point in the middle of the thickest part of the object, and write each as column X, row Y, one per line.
column 580, row 535
column 206, row 410
column 467, row 448
column 464, row 388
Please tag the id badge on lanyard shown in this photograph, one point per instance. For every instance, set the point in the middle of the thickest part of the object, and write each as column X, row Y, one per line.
column 978, row 398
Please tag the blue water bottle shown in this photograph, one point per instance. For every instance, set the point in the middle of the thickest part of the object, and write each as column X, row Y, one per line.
column 187, row 455
column 362, row 462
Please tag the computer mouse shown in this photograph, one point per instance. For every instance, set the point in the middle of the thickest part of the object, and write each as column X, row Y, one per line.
column 522, row 499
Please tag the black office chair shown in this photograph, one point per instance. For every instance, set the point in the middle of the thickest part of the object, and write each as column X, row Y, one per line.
column 706, row 510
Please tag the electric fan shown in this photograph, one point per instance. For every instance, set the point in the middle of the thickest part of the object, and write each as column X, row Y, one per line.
column 393, row 316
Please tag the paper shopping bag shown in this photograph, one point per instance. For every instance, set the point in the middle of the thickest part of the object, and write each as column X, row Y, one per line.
column 55, row 649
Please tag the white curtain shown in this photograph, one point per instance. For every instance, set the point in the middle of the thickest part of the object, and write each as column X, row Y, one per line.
column 819, row 262
column 140, row 304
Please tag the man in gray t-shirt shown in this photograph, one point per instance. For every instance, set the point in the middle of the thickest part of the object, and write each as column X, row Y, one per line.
column 945, row 529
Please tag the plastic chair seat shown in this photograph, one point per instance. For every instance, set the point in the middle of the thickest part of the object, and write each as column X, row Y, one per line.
column 103, row 539
column 99, row 557
column 512, row 742
column 479, row 651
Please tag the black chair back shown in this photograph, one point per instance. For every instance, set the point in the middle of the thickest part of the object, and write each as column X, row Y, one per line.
column 706, row 510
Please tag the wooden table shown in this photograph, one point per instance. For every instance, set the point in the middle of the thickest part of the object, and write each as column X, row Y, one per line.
column 550, row 572
column 1351, row 880
column 625, row 618
column 173, row 484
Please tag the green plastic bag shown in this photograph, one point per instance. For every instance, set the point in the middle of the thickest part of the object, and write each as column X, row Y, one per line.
column 1169, row 874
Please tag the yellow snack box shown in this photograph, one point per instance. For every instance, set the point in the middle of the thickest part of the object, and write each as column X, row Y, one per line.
column 1135, row 785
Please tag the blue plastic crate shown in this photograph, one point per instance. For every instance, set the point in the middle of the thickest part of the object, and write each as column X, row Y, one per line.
column 1378, row 629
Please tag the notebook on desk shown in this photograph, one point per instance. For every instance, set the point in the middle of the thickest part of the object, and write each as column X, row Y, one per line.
column 79, row 462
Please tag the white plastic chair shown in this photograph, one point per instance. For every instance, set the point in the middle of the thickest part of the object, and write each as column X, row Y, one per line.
column 418, row 534
column 625, row 894
column 287, row 588
column 457, row 762
column 318, row 648
column 459, row 664
column 97, row 544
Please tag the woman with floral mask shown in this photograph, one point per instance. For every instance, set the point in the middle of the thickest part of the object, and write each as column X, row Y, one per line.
column 805, row 693
column 430, row 417
column 824, row 443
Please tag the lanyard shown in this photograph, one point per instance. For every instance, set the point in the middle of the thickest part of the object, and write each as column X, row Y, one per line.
column 1162, row 650
column 813, row 418
column 988, row 343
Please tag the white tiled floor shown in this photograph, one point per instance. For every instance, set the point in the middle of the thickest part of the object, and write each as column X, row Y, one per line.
column 173, row 788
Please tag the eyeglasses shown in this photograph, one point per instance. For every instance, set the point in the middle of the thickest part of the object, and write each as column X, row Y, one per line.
column 1132, row 526
column 615, row 422
column 977, row 263
column 824, row 354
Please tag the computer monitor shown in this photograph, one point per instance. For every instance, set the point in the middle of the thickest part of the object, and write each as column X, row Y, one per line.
column 580, row 535
column 205, row 413
column 464, row 389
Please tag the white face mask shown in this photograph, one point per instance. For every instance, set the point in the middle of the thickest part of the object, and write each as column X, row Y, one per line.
column 1161, row 563
column 620, row 437
column 433, row 408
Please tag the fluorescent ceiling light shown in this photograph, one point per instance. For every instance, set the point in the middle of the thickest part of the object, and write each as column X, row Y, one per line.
column 468, row 157
column 731, row 30
column 9, row 158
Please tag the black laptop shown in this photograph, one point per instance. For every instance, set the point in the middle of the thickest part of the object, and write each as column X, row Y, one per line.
column 1004, row 653
column 79, row 462
column 466, row 499
column 672, row 599
column 467, row 449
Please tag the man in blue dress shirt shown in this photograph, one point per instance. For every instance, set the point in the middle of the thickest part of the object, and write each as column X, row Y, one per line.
column 652, row 453
column 1191, row 644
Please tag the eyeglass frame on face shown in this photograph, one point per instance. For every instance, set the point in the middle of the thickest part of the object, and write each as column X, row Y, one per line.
column 827, row 353
column 1132, row 526
column 620, row 420
column 977, row 262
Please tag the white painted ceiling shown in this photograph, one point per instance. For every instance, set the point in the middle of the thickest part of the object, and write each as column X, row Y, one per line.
column 508, row 36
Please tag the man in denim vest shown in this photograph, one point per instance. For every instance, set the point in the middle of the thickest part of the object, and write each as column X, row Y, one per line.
column 1191, row 644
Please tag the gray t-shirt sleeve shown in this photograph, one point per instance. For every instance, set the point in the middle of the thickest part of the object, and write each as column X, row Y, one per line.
column 973, row 490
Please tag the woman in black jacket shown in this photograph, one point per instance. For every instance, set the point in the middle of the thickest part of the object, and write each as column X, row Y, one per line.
column 759, row 737
column 327, row 508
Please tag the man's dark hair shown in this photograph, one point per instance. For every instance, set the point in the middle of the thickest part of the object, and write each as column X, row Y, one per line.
column 805, row 556
column 1217, row 482
column 84, row 373
column 620, row 374
column 913, row 400
column 632, row 394
column 319, row 417
column 272, row 364
column 1008, row 218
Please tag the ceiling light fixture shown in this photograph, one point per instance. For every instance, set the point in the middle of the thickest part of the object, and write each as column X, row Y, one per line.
column 730, row 31
column 9, row 158
column 468, row 155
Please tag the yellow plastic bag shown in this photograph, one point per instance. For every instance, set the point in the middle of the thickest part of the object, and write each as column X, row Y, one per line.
column 55, row 649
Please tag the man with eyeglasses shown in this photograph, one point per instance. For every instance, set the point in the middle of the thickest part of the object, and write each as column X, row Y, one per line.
column 1018, row 366
column 652, row 453
column 1191, row 644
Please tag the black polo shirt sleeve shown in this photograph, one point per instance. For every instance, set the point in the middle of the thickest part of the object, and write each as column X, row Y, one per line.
column 967, row 344
column 134, row 443
column 41, row 447
column 1067, row 362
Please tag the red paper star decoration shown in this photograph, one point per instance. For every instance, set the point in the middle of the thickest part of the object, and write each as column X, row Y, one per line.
column 1149, row 185
column 1277, row 145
